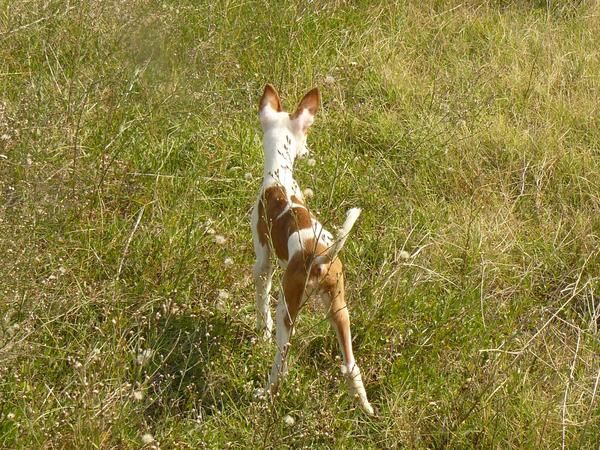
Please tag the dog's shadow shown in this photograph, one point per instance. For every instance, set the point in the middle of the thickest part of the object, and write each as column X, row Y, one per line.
column 193, row 371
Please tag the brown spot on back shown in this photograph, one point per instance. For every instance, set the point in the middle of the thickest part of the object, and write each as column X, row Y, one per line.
column 279, row 229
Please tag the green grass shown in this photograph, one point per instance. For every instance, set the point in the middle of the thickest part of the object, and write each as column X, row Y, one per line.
column 468, row 132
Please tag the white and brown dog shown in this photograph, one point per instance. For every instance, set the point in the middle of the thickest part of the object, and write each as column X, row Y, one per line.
column 281, row 223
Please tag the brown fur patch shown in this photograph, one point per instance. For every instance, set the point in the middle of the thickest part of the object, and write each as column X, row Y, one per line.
column 328, row 277
column 310, row 101
column 278, row 230
column 293, row 287
column 270, row 97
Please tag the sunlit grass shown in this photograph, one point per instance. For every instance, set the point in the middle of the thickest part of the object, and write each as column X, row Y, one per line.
column 130, row 156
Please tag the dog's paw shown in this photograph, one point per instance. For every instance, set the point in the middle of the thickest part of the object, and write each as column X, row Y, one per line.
column 357, row 388
column 367, row 408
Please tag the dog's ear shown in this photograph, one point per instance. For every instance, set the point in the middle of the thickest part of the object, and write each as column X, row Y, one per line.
column 270, row 98
column 304, row 116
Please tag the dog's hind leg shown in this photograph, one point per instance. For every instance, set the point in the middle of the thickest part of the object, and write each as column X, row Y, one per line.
column 340, row 320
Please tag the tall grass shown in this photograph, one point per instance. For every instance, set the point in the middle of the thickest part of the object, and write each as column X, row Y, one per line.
column 468, row 132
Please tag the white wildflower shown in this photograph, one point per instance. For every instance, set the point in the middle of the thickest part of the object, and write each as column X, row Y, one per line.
column 308, row 193
column 248, row 176
column 147, row 438
column 289, row 420
column 144, row 357
column 220, row 240
column 311, row 162
column 228, row 262
column 223, row 294
column 10, row 416
column 138, row 395
column 404, row 254
column 329, row 79
column 94, row 354
column 259, row 394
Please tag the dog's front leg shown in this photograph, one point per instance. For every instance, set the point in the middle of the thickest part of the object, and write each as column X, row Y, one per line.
column 282, row 337
column 263, row 274
column 287, row 310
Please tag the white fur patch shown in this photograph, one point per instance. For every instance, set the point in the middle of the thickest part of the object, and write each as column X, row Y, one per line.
column 303, row 121
column 297, row 240
column 287, row 208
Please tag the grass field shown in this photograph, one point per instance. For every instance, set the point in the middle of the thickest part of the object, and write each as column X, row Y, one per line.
column 469, row 133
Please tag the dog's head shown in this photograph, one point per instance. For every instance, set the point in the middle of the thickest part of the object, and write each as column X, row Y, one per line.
column 280, row 126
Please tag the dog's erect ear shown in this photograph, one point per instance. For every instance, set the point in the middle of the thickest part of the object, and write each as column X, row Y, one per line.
column 304, row 116
column 310, row 101
column 270, row 98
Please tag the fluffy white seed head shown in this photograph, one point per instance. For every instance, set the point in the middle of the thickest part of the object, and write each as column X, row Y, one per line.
column 289, row 420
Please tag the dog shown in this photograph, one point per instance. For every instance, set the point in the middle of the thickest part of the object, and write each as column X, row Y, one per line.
column 308, row 254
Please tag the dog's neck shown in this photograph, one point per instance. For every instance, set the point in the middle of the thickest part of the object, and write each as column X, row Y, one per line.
column 280, row 150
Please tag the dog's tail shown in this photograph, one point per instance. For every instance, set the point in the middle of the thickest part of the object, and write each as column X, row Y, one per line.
column 340, row 238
